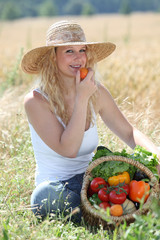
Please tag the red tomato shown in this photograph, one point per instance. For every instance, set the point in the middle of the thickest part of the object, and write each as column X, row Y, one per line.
column 138, row 190
column 107, row 184
column 124, row 186
column 103, row 194
column 90, row 192
column 117, row 197
column 97, row 183
column 83, row 73
column 104, row 205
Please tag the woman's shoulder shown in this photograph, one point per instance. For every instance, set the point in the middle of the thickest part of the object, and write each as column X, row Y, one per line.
column 34, row 98
column 102, row 89
column 103, row 95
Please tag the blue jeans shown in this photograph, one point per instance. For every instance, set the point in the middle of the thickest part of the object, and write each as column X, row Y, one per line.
column 59, row 197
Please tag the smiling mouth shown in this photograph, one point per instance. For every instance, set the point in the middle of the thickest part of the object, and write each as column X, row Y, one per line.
column 76, row 66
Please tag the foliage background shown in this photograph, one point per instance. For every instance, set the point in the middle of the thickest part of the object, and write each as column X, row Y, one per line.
column 13, row 9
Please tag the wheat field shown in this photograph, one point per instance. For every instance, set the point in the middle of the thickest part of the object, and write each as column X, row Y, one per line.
column 131, row 73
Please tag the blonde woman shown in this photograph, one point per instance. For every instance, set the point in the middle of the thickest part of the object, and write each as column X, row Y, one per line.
column 62, row 116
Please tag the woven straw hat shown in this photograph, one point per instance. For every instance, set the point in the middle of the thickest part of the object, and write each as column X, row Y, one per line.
column 64, row 33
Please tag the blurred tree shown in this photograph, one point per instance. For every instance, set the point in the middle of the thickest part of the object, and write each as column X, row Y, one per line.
column 88, row 9
column 74, row 7
column 47, row 8
column 105, row 6
column 10, row 11
column 125, row 7
column 148, row 5
column 61, row 4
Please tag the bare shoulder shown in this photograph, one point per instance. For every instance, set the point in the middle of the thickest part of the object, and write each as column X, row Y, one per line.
column 28, row 99
column 104, row 96
column 103, row 90
column 34, row 99
column 36, row 107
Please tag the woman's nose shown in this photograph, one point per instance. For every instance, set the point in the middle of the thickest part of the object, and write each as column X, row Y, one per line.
column 77, row 55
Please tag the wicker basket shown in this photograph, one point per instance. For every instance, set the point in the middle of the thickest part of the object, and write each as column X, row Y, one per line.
column 93, row 216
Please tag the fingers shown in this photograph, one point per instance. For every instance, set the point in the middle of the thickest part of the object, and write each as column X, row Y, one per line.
column 88, row 81
column 78, row 79
column 90, row 74
column 86, row 87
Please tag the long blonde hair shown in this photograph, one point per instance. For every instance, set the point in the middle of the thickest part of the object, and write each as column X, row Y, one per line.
column 52, row 85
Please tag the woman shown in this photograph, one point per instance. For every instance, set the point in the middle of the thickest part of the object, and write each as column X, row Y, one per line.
column 62, row 116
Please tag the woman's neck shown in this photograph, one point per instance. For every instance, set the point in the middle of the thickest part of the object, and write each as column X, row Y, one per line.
column 69, row 87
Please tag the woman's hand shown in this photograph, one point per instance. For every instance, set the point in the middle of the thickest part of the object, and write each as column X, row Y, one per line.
column 117, row 123
column 87, row 87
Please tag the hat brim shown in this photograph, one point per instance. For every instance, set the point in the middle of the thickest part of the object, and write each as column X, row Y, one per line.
column 30, row 60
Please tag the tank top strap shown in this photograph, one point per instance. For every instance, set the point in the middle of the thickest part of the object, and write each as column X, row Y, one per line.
column 59, row 119
column 42, row 93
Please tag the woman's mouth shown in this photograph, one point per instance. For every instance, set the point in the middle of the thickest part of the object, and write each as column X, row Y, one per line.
column 77, row 67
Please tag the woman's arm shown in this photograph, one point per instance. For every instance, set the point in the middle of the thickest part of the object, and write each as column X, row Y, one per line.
column 64, row 141
column 116, row 121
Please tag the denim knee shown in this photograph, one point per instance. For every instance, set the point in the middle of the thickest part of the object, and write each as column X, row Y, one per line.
column 54, row 198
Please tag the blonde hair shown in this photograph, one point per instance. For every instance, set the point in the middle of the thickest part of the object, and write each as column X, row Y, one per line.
column 52, row 85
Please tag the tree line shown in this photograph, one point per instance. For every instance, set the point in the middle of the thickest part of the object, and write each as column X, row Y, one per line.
column 13, row 9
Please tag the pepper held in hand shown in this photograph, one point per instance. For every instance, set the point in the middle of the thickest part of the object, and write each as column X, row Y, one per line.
column 115, row 180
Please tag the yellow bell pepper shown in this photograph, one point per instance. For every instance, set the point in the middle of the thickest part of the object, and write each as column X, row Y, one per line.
column 115, row 180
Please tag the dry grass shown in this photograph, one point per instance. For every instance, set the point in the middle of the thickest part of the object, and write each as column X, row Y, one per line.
column 131, row 74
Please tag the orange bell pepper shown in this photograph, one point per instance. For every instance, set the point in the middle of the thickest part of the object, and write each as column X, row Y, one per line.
column 139, row 190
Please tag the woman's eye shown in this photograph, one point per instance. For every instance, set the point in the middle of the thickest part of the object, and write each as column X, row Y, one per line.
column 72, row 51
column 82, row 50
column 69, row 51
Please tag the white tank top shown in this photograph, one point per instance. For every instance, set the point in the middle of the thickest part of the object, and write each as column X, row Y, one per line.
column 51, row 166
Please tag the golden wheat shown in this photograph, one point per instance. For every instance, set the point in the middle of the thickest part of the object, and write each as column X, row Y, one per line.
column 131, row 73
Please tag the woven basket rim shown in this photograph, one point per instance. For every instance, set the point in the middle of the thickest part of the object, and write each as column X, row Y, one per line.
column 86, row 180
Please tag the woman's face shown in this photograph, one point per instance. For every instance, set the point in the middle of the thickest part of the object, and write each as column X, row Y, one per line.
column 70, row 59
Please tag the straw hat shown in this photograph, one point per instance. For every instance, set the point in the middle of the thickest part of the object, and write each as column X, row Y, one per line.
column 64, row 33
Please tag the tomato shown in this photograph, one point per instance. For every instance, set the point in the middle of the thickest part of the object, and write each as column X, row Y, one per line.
column 138, row 190
column 104, row 205
column 117, row 197
column 83, row 73
column 103, row 194
column 90, row 192
column 97, row 183
column 122, row 186
column 126, row 188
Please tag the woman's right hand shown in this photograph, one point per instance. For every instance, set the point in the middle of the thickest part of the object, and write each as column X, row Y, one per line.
column 86, row 88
